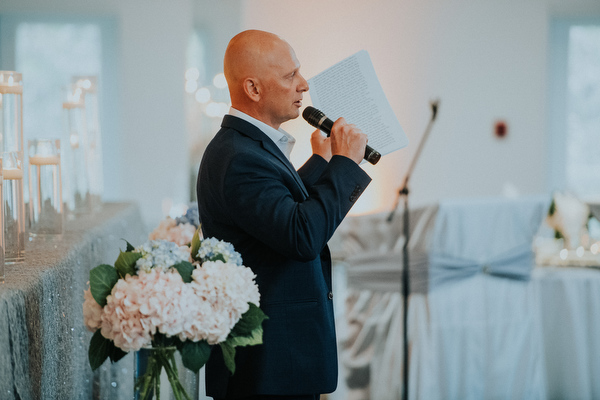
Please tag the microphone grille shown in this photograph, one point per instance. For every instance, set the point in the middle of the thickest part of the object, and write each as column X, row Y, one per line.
column 313, row 116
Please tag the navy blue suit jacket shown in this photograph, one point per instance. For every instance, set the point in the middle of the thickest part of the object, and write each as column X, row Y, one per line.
column 280, row 220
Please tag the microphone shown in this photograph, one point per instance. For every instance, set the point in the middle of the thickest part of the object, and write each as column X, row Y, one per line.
column 320, row 121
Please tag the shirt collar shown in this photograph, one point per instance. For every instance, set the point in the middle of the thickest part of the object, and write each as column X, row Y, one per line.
column 281, row 138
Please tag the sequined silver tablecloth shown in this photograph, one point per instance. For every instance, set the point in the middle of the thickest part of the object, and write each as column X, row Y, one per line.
column 43, row 343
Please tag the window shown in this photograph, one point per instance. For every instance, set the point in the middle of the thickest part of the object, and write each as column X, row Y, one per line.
column 49, row 55
column 583, row 110
column 49, row 51
column 575, row 107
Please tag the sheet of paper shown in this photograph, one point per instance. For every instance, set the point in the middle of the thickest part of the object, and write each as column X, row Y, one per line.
column 351, row 89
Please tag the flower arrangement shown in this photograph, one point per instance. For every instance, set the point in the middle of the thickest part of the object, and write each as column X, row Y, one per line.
column 180, row 230
column 568, row 217
column 164, row 296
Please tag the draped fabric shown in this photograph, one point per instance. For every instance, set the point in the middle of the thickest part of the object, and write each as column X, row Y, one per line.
column 474, row 331
column 493, row 236
column 43, row 341
column 570, row 314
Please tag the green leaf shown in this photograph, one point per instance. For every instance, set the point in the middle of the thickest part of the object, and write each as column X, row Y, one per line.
column 102, row 348
column 130, row 248
column 102, row 280
column 552, row 208
column 195, row 244
column 256, row 337
column 98, row 351
column 218, row 257
column 125, row 264
column 251, row 320
column 115, row 353
column 185, row 269
column 195, row 354
column 228, row 355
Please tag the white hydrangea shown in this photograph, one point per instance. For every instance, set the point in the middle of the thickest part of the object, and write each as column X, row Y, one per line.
column 160, row 254
column 211, row 247
column 223, row 291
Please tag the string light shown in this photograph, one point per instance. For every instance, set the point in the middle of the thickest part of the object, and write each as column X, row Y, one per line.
column 564, row 253
column 191, row 86
column 203, row 95
column 219, row 81
column 192, row 74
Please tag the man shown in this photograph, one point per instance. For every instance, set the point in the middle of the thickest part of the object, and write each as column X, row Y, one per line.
column 280, row 220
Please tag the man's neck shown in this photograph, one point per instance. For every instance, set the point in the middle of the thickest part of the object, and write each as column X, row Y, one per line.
column 255, row 113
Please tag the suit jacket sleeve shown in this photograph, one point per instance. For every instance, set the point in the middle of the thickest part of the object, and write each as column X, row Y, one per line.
column 312, row 170
column 297, row 228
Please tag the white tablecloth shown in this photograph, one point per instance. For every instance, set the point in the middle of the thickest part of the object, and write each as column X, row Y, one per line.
column 569, row 301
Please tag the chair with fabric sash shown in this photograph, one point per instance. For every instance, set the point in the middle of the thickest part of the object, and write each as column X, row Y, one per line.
column 473, row 325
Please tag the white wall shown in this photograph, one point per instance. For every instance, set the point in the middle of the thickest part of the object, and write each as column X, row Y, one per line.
column 485, row 60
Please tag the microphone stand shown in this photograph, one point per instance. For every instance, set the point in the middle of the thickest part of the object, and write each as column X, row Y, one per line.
column 403, row 192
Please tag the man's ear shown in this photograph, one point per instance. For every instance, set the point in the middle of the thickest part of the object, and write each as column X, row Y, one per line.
column 252, row 89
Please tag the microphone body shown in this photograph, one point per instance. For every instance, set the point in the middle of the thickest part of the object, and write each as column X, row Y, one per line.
column 320, row 121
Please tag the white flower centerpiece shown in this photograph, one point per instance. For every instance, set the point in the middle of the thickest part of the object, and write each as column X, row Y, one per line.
column 172, row 298
column 568, row 217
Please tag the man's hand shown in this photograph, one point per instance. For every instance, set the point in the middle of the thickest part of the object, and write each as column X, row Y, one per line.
column 347, row 140
column 321, row 145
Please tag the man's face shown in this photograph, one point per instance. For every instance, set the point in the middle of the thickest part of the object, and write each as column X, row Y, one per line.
column 283, row 86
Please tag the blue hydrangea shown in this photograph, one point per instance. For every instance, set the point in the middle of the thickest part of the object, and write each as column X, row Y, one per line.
column 159, row 254
column 212, row 247
column 191, row 216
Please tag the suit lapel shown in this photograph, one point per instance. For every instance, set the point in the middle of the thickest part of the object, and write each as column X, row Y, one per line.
column 253, row 132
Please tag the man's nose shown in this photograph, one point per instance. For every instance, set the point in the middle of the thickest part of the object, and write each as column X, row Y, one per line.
column 303, row 87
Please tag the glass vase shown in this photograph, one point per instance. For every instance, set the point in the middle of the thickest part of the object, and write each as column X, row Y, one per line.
column 74, row 157
column 14, row 207
column 1, row 228
column 11, row 114
column 89, row 86
column 11, row 110
column 159, row 374
column 45, row 190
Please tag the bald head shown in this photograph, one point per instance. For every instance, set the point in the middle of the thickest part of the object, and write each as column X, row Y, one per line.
column 257, row 64
column 248, row 53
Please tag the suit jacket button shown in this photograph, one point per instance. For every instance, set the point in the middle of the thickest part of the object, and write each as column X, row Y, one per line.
column 355, row 193
column 330, row 295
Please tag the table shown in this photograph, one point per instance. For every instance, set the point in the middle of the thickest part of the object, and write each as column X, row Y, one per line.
column 569, row 300
column 43, row 342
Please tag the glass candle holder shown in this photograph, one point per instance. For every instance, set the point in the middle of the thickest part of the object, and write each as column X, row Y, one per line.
column 75, row 159
column 2, row 276
column 45, row 191
column 89, row 86
column 14, row 207
column 11, row 110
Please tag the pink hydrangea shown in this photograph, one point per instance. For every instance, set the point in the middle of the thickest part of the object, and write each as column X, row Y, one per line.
column 92, row 311
column 139, row 306
column 168, row 229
